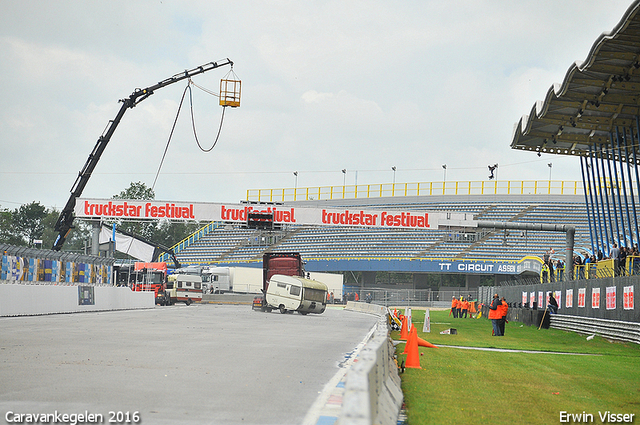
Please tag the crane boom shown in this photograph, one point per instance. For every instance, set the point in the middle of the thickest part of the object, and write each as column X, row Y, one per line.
column 65, row 220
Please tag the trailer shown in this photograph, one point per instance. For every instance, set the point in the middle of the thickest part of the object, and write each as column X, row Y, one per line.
column 292, row 293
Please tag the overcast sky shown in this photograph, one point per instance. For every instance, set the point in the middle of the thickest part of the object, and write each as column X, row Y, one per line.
column 326, row 85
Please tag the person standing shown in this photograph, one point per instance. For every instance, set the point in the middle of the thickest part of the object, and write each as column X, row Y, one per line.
column 464, row 308
column 454, row 307
column 494, row 315
column 503, row 308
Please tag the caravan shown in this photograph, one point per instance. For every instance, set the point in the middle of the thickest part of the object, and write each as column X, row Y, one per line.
column 185, row 288
column 291, row 293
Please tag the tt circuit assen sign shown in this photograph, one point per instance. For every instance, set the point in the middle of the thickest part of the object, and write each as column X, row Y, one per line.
column 238, row 213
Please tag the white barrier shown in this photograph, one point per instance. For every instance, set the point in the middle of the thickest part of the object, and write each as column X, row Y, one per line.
column 372, row 390
column 27, row 300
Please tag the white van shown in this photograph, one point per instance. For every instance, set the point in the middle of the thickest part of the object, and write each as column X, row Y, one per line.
column 185, row 288
column 292, row 293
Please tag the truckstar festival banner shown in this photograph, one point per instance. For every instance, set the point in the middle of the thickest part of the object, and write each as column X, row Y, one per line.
column 390, row 218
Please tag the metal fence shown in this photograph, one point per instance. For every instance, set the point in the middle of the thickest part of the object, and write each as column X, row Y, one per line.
column 610, row 298
column 408, row 297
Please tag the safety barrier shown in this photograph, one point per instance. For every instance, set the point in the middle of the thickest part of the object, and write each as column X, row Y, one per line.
column 610, row 329
column 27, row 300
column 372, row 389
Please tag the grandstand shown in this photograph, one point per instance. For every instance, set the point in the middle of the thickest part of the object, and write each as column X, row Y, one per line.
column 235, row 244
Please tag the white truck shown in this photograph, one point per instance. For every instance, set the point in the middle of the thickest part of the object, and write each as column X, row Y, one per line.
column 293, row 293
column 217, row 279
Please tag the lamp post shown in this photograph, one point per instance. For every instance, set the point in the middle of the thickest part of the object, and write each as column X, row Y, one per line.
column 444, row 169
column 393, row 186
column 550, row 166
column 295, row 187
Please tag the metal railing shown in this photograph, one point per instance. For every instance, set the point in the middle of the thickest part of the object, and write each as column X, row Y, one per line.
column 610, row 329
column 494, row 187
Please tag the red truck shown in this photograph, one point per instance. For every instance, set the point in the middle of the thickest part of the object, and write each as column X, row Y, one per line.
column 151, row 277
column 284, row 263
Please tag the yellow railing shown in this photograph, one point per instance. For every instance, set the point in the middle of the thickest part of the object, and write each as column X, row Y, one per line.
column 524, row 187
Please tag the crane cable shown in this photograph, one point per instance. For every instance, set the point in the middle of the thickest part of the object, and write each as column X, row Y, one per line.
column 170, row 135
column 193, row 125
column 193, row 122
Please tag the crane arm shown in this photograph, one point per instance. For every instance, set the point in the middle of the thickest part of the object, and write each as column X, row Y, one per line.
column 65, row 220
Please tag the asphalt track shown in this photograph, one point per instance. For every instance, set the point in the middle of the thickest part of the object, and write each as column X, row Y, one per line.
column 202, row 364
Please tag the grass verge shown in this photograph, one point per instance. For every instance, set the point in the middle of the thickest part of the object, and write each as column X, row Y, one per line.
column 473, row 387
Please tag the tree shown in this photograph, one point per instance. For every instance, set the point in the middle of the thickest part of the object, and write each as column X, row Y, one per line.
column 28, row 221
column 140, row 191
column 137, row 190
column 169, row 233
column 7, row 229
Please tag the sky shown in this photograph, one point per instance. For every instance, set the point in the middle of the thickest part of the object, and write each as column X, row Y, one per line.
column 326, row 85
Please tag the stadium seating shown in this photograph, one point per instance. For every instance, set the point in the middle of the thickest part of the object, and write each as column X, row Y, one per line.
column 233, row 243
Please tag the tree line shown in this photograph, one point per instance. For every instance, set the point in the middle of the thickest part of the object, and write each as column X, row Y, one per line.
column 35, row 222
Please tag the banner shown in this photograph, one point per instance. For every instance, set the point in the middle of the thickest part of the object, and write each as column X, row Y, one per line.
column 582, row 295
column 611, row 298
column 238, row 213
column 569, row 298
column 627, row 297
column 524, row 298
column 595, row 297
column 558, row 297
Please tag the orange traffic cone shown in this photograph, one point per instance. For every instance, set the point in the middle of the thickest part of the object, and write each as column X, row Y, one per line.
column 413, row 355
column 411, row 336
column 404, row 332
column 423, row 343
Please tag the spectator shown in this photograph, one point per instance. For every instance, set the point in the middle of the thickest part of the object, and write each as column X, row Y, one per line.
column 494, row 315
column 545, row 273
column 454, row 307
column 560, row 269
column 622, row 260
column 503, row 308
column 614, row 254
column 552, row 304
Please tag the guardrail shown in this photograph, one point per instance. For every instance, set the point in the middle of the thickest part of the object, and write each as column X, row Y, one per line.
column 372, row 389
column 610, row 329
column 494, row 187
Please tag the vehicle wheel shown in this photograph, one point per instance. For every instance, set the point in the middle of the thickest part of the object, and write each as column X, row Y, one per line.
column 304, row 313
column 282, row 309
column 188, row 301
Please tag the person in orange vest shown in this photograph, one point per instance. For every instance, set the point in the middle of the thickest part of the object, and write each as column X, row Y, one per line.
column 454, row 307
column 503, row 308
column 459, row 307
column 464, row 308
column 494, row 315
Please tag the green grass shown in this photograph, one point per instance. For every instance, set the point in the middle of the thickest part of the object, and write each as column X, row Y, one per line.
column 478, row 387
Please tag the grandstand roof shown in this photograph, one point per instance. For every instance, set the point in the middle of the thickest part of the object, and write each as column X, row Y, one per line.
column 596, row 96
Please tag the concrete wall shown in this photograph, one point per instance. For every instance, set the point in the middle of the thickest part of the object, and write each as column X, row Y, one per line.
column 372, row 389
column 26, row 300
